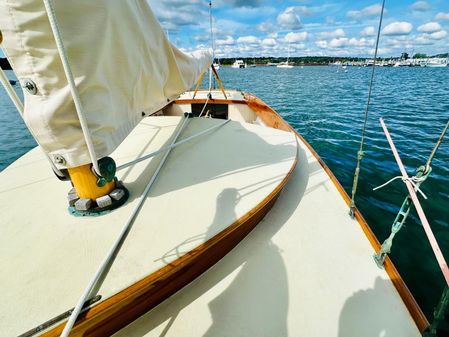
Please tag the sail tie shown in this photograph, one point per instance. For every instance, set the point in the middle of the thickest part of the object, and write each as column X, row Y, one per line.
column 415, row 181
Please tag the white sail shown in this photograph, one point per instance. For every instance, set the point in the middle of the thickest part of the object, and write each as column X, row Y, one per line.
column 122, row 62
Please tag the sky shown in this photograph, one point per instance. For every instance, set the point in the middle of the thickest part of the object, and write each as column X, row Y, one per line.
column 256, row 28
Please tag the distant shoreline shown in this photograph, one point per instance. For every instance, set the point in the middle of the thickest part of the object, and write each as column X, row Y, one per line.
column 312, row 60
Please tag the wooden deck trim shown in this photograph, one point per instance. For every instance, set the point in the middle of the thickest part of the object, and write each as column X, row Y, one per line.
column 211, row 101
column 119, row 310
column 415, row 311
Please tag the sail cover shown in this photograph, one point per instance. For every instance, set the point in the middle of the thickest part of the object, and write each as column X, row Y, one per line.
column 123, row 65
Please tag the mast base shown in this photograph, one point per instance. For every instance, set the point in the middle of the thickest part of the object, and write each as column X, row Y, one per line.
column 100, row 206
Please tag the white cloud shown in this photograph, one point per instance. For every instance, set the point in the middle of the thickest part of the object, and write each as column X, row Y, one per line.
column 368, row 31
column 361, row 42
column 269, row 42
column 430, row 27
column 442, row 16
column 339, row 42
column 266, row 27
column 423, row 41
column 321, row 43
column 248, row 39
column 370, row 11
column 420, row 6
column 296, row 37
column 229, row 40
column 304, row 11
column 289, row 19
column 333, row 34
column 438, row 35
column 398, row 28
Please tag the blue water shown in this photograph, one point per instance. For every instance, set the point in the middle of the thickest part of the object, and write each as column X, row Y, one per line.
column 327, row 108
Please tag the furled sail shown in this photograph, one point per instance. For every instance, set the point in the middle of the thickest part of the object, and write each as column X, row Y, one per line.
column 122, row 62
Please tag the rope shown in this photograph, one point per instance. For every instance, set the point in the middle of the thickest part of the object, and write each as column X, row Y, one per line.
column 100, row 273
column 432, row 240
column 415, row 181
column 362, row 141
column 205, row 104
column 69, row 75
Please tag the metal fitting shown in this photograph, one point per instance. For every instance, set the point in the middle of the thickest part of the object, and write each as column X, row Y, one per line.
column 30, row 86
column 60, row 160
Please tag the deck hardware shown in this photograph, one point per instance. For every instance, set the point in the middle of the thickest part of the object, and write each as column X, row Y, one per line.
column 58, row 318
column 107, row 171
column 438, row 314
column 60, row 160
column 83, row 204
column 421, row 175
column 30, row 86
column 72, row 197
column 117, row 194
column 104, row 201
column 402, row 215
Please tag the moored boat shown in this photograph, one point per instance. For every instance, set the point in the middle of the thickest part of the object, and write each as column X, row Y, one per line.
column 239, row 64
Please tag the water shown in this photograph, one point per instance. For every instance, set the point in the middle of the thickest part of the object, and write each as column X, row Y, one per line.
column 327, row 108
column 15, row 139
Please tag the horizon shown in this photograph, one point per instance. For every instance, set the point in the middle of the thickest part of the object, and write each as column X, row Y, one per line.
column 262, row 28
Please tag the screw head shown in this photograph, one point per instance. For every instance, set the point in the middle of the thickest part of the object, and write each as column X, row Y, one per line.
column 30, row 86
column 59, row 159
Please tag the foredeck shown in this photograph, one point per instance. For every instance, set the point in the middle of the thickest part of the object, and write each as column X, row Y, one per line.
column 306, row 270
column 207, row 184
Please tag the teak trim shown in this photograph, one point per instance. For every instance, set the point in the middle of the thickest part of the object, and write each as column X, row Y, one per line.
column 119, row 310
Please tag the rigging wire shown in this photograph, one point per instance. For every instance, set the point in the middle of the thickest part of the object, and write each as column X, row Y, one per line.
column 212, row 45
column 362, row 141
column 99, row 275
column 437, row 145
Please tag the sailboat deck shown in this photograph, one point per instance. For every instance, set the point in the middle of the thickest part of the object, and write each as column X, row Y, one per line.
column 305, row 270
column 49, row 256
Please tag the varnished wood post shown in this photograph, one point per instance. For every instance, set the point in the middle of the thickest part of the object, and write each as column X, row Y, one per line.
column 219, row 81
column 199, row 83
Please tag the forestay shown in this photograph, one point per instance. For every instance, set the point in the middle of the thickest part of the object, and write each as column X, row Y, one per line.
column 121, row 60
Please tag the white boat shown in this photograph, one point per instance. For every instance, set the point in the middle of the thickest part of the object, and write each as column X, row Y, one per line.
column 286, row 64
column 238, row 64
column 217, row 66
column 233, row 224
column 436, row 64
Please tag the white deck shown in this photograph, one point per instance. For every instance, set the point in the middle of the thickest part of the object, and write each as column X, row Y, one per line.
column 48, row 256
column 306, row 271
